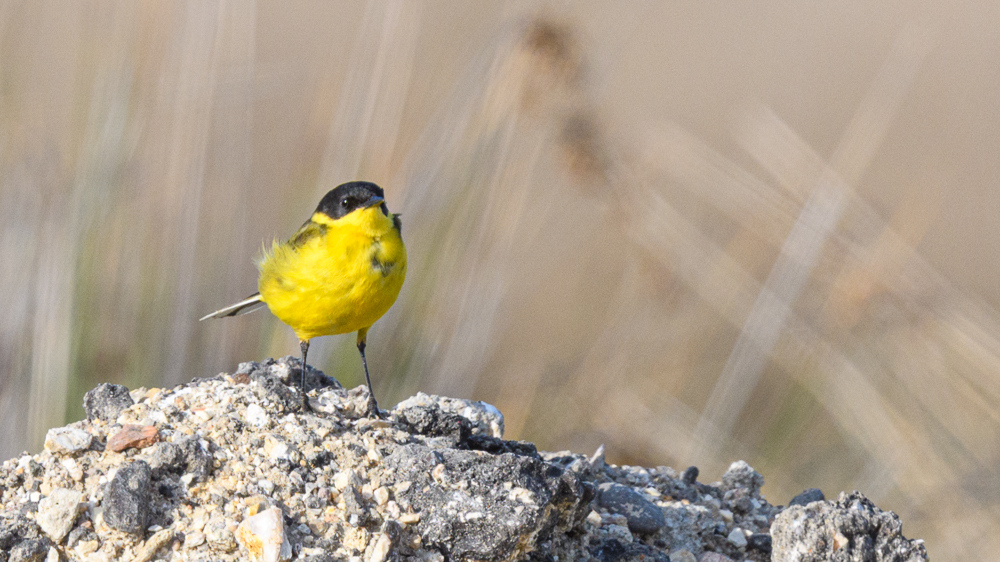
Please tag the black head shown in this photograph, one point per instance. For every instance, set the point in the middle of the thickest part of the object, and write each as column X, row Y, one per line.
column 351, row 196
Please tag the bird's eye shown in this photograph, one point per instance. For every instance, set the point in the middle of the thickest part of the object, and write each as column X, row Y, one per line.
column 344, row 202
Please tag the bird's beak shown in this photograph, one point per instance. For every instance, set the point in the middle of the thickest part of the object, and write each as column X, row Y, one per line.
column 376, row 200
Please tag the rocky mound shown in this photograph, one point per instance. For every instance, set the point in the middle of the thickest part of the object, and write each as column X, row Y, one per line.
column 244, row 466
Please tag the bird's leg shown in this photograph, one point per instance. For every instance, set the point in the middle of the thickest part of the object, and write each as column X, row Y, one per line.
column 304, row 346
column 373, row 411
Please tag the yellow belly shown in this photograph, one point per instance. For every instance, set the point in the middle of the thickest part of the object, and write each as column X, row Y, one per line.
column 339, row 282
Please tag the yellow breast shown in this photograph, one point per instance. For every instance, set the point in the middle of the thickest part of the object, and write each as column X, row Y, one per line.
column 335, row 276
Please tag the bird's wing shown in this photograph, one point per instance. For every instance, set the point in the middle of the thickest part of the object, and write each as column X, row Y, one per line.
column 307, row 232
column 246, row 305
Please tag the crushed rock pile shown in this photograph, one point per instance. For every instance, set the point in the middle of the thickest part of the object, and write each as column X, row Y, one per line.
column 244, row 467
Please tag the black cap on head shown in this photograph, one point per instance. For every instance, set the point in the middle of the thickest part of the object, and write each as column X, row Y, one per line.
column 351, row 196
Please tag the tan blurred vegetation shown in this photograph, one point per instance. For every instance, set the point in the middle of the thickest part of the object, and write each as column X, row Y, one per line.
column 694, row 233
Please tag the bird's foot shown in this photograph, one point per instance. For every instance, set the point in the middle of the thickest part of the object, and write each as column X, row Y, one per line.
column 373, row 411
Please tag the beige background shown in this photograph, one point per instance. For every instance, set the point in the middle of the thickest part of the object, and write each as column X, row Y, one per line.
column 693, row 232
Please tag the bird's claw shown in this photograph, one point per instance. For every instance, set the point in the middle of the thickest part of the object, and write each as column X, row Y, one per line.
column 373, row 410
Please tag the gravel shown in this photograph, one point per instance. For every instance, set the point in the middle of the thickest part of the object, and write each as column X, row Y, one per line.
column 849, row 529
column 807, row 497
column 127, row 498
column 105, row 401
column 243, row 466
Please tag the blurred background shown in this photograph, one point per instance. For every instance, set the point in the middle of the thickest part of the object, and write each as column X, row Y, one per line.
column 694, row 232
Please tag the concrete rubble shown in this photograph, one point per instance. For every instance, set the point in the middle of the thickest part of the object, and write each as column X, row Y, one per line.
column 244, row 467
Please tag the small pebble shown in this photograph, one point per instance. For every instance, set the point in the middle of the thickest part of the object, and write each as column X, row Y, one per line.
column 194, row 539
column 808, row 496
column 618, row 532
column 737, row 538
column 275, row 448
column 711, row 557
column 690, row 475
column 133, row 437
column 643, row 515
column 682, row 556
column 67, row 440
column 256, row 416
column 263, row 536
column 159, row 540
column 742, row 475
column 383, row 546
column 72, row 468
column 760, row 542
column 106, row 401
column 127, row 498
column 381, row 495
column 57, row 512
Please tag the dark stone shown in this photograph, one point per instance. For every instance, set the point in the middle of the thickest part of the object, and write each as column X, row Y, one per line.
column 14, row 528
column 127, row 498
column 287, row 371
column 319, row 459
column 106, row 401
column 197, row 461
column 322, row 557
column 808, row 533
column 435, row 422
column 80, row 533
column 183, row 456
column 497, row 446
column 761, row 542
column 460, row 514
column 31, row 550
column 274, row 390
column 690, row 475
column 354, row 505
column 708, row 490
column 457, row 432
column 643, row 516
column 613, row 550
column 738, row 500
column 742, row 476
column 807, row 497
column 394, row 531
column 166, row 457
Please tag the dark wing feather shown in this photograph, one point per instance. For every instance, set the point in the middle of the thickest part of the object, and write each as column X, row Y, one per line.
column 309, row 231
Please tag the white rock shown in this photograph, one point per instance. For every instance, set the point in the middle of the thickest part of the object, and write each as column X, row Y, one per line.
column 275, row 448
column 343, row 479
column 381, row 549
column 57, row 512
column 73, row 468
column 619, row 532
column 381, row 495
column 682, row 556
column 194, row 539
column 263, row 536
column 66, row 440
column 256, row 416
column 738, row 538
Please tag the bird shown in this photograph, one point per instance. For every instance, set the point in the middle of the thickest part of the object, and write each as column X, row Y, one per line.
column 339, row 273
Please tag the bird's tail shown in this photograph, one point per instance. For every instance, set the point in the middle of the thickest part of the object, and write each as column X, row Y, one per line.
column 246, row 305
